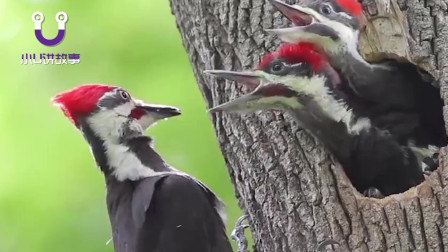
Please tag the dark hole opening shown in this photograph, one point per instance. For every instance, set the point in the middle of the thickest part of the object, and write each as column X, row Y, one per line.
column 409, row 133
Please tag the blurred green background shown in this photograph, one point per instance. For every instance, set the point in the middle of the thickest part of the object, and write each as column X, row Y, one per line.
column 52, row 196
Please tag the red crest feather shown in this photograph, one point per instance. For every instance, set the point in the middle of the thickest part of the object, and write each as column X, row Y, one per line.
column 351, row 6
column 80, row 100
column 296, row 53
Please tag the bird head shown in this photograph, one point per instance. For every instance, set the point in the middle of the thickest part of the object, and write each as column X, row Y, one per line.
column 110, row 110
column 334, row 25
column 284, row 79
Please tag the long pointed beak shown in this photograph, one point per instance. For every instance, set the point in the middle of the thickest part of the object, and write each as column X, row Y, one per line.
column 240, row 104
column 148, row 114
column 258, row 99
column 251, row 80
column 296, row 14
column 308, row 33
column 255, row 100
column 158, row 111
column 308, row 26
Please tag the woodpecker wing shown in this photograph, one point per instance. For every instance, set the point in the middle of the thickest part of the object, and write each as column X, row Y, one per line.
column 169, row 213
column 127, row 203
column 213, row 199
column 180, row 215
column 142, row 197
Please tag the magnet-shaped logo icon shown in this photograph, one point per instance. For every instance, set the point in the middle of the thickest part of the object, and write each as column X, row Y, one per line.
column 38, row 18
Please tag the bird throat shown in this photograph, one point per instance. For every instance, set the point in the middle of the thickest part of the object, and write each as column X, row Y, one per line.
column 132, row 157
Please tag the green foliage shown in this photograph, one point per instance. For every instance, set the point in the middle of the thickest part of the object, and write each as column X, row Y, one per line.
column 52, row 197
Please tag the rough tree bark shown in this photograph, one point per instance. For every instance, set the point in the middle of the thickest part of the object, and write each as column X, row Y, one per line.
column 294, row 192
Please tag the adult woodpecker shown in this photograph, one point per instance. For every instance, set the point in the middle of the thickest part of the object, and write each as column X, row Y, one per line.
column 298, row 79
column 396, row 96
column 152, row 206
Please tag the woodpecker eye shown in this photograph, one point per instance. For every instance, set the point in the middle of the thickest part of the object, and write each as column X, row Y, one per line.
column 277, row 67
column 124, row 95
column 326, row 9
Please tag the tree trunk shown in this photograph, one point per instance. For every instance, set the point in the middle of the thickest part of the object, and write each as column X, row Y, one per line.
column 294, row 192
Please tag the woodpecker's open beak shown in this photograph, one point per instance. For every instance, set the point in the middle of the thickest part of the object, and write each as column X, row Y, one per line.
column 308, row 24
column 159, row 111
column 148, row 114
column 249, row 79
column 295, row 14
column 258, row 99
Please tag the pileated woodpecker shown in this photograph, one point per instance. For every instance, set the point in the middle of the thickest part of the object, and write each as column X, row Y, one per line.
column 297, row 78
column 395, row 96
column 152, row 206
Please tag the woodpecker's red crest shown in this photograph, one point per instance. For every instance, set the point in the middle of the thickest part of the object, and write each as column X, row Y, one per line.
column 109, row 105
column 296, row 53
column 351, row 6
column 80, row 100
column 331, row 24
column 280, row 78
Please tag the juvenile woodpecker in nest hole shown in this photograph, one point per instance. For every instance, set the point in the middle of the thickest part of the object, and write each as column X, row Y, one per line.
column 298, row 79
column 397, row 97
